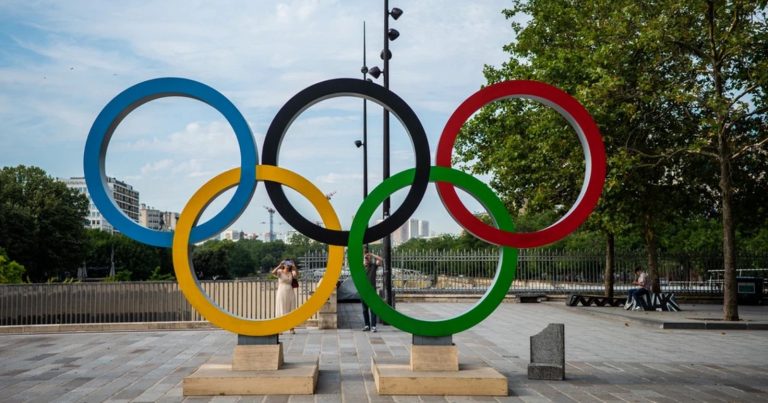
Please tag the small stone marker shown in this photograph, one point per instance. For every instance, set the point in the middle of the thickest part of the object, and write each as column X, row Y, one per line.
column 548, row 354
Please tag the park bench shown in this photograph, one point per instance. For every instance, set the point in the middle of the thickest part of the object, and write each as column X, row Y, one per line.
column 653, row 302
column 597, row 300
column 530, row 297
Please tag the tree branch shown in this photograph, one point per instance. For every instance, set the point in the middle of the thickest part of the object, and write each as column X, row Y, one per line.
column 746, row 148
column 673, row 153
column 745, row 92
column 754, row 112
column 698, row 52
column 734, row 22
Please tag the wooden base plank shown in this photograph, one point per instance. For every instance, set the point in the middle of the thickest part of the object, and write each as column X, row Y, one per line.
column 434, row 358
column 267, row 357
column 219, row 379
column 469, row 380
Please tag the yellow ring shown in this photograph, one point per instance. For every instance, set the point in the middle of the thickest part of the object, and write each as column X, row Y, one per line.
column 207, row 307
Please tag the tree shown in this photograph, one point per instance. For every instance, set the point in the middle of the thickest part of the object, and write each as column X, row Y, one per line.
column 211, row 260
column 299, row 245
column 41, row 222
column 597, row 51
column 721, row 47
column 138, row 260
column 11, row 272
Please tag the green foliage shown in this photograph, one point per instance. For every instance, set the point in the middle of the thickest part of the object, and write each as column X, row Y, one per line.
column 158, row 275
column 41, row 222
column 678, row 90
column 138, row 259
column 121, row 275
column 247, row 257
column 211, row 260
column 11, row 272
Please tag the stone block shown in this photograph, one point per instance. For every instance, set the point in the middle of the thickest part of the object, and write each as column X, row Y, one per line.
column 434, row 358
column 469, row 380
column 219, row 379
column 330, row 306
column 545, row 372
column 548, row 354
column 255, row 357
column 327, row 320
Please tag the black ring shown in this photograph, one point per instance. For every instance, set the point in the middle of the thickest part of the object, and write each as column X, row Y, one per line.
column 356, row 88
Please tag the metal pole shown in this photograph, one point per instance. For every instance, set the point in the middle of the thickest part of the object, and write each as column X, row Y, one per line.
column 365, row 126
column 387, row 252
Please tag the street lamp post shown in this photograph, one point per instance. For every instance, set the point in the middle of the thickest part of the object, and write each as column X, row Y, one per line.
column 389, row 35
column 364, row 70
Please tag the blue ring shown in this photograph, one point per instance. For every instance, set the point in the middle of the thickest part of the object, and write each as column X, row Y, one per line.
column 123, row 104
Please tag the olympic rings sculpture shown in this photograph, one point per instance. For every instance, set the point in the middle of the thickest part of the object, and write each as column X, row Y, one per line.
column 245, row 177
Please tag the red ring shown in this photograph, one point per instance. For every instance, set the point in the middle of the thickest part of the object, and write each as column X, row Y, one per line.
column 587, row 131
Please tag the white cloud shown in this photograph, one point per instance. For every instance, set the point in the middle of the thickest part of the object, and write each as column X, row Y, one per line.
column 210, row 140
column 156, row 166
column 65, row 60
column 338, row 178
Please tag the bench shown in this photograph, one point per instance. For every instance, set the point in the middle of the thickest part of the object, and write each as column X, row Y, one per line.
column 597, row 300
column 654, row 302
column 530, row 298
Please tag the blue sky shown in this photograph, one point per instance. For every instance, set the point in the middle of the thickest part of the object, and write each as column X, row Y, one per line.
column 61, row 62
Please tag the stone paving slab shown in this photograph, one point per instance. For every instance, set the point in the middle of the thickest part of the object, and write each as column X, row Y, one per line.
column 607, row 359
column 691, row 317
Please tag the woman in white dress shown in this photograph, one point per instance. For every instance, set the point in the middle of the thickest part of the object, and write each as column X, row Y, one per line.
column 285, row 272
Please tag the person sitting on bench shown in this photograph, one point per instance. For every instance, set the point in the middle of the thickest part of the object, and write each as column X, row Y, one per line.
column 643, row 282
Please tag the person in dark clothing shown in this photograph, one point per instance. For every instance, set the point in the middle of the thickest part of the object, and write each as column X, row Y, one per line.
column 371, row 263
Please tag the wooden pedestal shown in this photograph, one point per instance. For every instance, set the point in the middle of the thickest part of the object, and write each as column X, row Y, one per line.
column 469, row 380
column 258, row 357
column 220, row 379
column 255, row 370
column 434, row 358
column 435, row 370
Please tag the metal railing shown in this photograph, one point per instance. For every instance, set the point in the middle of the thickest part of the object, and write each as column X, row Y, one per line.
column 538, row 270
column 546, row 270
column 31, row 304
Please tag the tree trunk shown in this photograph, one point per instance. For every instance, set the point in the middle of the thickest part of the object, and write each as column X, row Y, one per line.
column 730, row 304
column 652, row 250
column 610, row 260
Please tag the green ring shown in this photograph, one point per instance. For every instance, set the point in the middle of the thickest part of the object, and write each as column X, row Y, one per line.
column 505, row 271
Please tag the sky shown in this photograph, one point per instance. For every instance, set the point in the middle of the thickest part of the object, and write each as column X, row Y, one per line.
column 62, row 62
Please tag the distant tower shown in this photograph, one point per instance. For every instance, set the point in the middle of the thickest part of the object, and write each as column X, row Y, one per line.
column 271, row 212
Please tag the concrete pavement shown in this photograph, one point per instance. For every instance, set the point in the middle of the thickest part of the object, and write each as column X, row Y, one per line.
column 608, row 359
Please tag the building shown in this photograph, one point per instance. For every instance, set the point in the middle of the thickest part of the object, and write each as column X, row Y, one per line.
column 400, row 235
column 158, row 220
column 150, row 217
column 424, row 229
column 122, row 193
column 170, row 219
column 412, row 228
column 232, row 235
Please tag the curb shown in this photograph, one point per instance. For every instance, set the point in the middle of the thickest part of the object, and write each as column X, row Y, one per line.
column 715, row 325
column 660, row 324
column 105, row 327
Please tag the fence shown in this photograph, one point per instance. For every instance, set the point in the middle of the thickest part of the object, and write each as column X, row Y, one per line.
column 547, row 270
column 30, row 304
column 538, row 270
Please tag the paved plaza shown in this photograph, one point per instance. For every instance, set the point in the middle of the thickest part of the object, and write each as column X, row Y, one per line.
column 610, row 358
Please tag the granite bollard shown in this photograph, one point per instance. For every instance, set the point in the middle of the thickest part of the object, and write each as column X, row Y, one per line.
column 548, row 354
